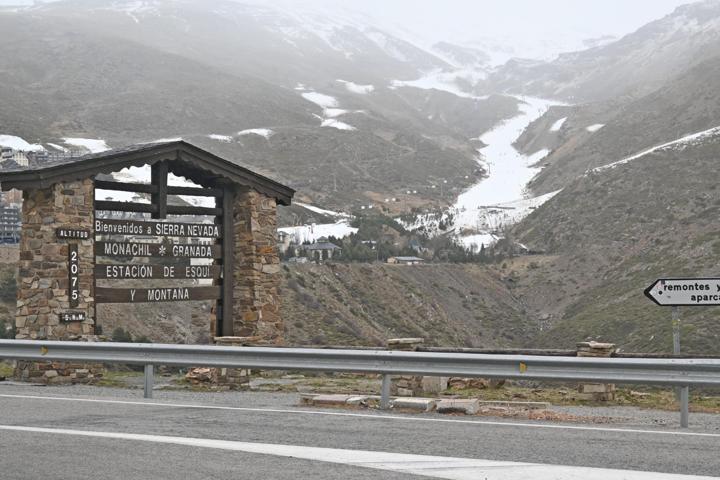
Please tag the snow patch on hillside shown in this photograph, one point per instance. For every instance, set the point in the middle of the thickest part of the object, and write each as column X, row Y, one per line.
column 479, row 240
column 594, row 127
column 678, row 144
column 446, row 81
column 320, row 99
column 322, row 211
column 311, row 233
column 58, row 147
column 221, row 138
column 143, row 175
column 332, row 123
column 335, row 112
column 330, row 108
column 167, row 140
column 263, row 132
column 557, row 125
column 118, row 196
column 18, row 143
column 499, row 200
column 357, row 88
column 387, row 44
column 93, row 145
column 509, row 170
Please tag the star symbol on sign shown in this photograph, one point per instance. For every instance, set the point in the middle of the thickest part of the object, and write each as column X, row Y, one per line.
column 162, row 250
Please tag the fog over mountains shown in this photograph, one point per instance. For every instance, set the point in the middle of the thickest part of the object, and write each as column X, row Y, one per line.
column 352, row 112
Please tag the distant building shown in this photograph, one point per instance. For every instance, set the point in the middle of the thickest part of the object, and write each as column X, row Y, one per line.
column 284, row 241
column 6, row 153
column 405, row 260
column 322, row 250
column 9, row 224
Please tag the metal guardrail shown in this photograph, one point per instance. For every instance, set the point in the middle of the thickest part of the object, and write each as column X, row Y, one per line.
column 681, row 373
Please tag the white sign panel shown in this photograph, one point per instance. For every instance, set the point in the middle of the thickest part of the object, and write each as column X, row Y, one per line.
column 675, row 292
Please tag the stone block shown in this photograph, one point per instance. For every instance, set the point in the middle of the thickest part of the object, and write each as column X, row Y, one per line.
column 332, row 400
column 414, row 403
column 512, row 404
column 596, row 388
column 466, row 406
column 357, row 400
column 404, row 392
column 404, row 343
column 434, row 384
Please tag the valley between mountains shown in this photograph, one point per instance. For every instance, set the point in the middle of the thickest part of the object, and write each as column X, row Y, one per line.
column 544, row 194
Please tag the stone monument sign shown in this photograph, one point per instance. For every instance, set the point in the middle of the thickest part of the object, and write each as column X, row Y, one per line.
column 149, row 250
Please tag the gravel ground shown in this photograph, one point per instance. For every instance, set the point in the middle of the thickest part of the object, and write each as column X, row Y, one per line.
column 626, row 417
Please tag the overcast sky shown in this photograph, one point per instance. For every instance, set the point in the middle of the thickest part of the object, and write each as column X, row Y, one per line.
column 531, row 27
column 545, row 24
column 468, row 17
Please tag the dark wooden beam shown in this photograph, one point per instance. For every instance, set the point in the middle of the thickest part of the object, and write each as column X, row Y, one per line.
column 228, row 259
column 87, row 167
column 125, row 187
column 125, row 206
column 194, row 191
column 159, row 174
column 181, row 210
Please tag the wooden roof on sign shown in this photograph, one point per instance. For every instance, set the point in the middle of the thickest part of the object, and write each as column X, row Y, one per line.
column 184, row 159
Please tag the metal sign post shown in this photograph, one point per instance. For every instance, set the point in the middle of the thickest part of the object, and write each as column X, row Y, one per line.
column 676, row 292
column 676, row 330
column 682, row 394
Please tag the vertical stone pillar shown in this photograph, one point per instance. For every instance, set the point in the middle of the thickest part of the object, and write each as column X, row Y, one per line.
column 43, row 277
column 256, row 276
column 414, row 385
column 599, row 392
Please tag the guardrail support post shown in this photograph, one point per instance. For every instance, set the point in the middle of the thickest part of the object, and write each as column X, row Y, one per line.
column 385, row 392
column 684, row 406
column 149, row 380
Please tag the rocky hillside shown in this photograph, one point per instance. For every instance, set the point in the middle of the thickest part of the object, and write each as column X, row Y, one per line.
column 344, row 304
column 610, row 234
column 364, row 304
column 686, row 104
column 308, row 99
column 635, row 65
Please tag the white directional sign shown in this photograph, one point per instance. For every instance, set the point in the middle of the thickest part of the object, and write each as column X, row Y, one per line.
column 675, row 292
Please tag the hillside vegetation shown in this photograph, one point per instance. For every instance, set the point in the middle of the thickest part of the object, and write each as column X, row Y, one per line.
column 365, row 304
column 612, row 233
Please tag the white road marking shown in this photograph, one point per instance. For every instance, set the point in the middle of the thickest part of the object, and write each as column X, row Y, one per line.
column 376, row 416
column 451, row 468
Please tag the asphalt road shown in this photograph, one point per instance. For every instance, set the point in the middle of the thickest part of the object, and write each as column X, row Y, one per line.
column 237, row 436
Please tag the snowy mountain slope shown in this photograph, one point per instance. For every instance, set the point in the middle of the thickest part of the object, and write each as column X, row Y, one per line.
column 612, row 232
column 67, row 82
column 273, row 42
column 635, row 65
column 687, row 141
column 227, row 79
column 686, row 104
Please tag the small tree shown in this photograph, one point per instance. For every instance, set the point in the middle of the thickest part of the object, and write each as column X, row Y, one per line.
column 7, row 330
column 120, row 335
